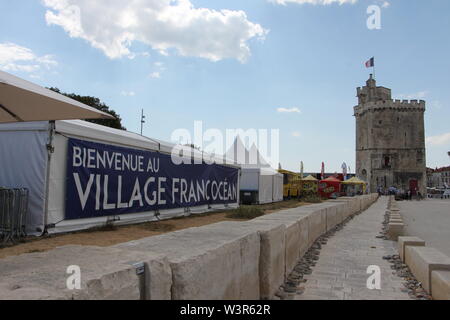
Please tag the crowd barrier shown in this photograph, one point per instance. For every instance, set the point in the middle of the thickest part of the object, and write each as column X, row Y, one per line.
column 13, row 214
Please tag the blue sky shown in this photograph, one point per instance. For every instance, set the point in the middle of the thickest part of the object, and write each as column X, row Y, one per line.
column 292, row 55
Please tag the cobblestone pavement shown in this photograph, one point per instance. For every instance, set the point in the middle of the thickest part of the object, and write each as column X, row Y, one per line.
column 341, row 271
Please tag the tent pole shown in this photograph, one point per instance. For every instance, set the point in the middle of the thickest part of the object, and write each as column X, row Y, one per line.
column 12, row 114
column 50, row 150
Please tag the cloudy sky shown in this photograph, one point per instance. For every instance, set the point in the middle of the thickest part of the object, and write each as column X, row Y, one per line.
column 292, row 65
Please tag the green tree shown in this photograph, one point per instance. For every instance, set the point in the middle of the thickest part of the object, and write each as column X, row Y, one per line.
column 96, row 103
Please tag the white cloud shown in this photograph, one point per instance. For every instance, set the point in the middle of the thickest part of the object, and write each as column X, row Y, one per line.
column 155, row 75
column 296, row 134
column 128, row 93
column 160, row 68
column 17, row 58
column 414, row 96
column 289, row 110
column 386, row 4
column 113, row 25
column 439, row 140
column 314, row 2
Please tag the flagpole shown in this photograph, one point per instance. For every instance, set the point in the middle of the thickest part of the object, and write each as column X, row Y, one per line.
column 374, row 74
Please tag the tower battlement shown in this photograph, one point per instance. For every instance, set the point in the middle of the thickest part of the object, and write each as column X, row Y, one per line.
column 395, row 105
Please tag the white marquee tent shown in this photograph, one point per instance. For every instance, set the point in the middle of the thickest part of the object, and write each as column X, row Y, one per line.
column 259, row 181
column 34, row 155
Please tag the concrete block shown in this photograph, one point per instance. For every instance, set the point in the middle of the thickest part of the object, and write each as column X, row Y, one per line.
column 354, row 204
column 395, row 230
column 342, row 209
column 396, row 221
column 292, row 237
column 106, row 273
column 316, row 224
column 213, row 262
column 440, row 282
column 272, row 260
column 394, row 210
column 423, row 261
column 332, row 218
column 408, row 241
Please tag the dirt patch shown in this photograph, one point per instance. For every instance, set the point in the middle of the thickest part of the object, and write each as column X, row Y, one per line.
column 109, row 236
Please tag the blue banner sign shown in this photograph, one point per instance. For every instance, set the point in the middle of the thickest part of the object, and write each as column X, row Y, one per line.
column 106, row 180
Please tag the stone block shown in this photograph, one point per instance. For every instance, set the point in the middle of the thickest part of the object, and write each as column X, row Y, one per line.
column 440, row 282
column 272, row 260
column 292, row 237
column 106, row 274
column 422, row 261
column 342, row 208
column 395, row 230
column 213, row 262
column 403, row 242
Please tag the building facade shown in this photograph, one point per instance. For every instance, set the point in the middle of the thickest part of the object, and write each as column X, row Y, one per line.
column 439, row 178
column 390, row 140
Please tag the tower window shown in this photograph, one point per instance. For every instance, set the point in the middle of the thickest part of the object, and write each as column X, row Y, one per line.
column 387, row 161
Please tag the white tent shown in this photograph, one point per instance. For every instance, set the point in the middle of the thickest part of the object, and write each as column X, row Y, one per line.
column 34, row 156
column 259, row 182
column 22, row 101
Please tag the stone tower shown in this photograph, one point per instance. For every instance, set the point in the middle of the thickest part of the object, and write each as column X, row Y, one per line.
column 390, row 140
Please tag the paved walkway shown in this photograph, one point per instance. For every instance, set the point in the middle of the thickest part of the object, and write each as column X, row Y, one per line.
column 341, row 271
column 429, row 220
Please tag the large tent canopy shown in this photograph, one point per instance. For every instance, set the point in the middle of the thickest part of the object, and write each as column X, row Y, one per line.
column 24, row 101
column 246, row 157
column 257, row 174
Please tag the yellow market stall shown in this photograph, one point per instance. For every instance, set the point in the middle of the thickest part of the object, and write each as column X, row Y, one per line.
column 354, row 186
column 291, row 184
column 309, row 185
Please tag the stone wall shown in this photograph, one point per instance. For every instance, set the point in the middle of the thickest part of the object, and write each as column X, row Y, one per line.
column 226, row 260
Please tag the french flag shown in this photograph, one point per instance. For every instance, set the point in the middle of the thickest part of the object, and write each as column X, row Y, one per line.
column 370, row 63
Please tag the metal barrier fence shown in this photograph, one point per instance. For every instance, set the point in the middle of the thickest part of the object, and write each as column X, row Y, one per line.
column 13, row 215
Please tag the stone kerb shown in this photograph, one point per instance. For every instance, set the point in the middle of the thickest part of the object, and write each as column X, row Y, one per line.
column 404, row 242
column 441, row 285
column 423, row 261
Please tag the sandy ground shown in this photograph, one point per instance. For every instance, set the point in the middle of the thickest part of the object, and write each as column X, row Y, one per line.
column 129, row 233
column 428, row 220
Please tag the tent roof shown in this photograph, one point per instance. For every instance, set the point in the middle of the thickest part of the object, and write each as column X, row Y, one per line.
column 309, row 178
column 87, row 130
column 354, row 180
column 246, row 158
column 332, row 179
column 24, row 101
